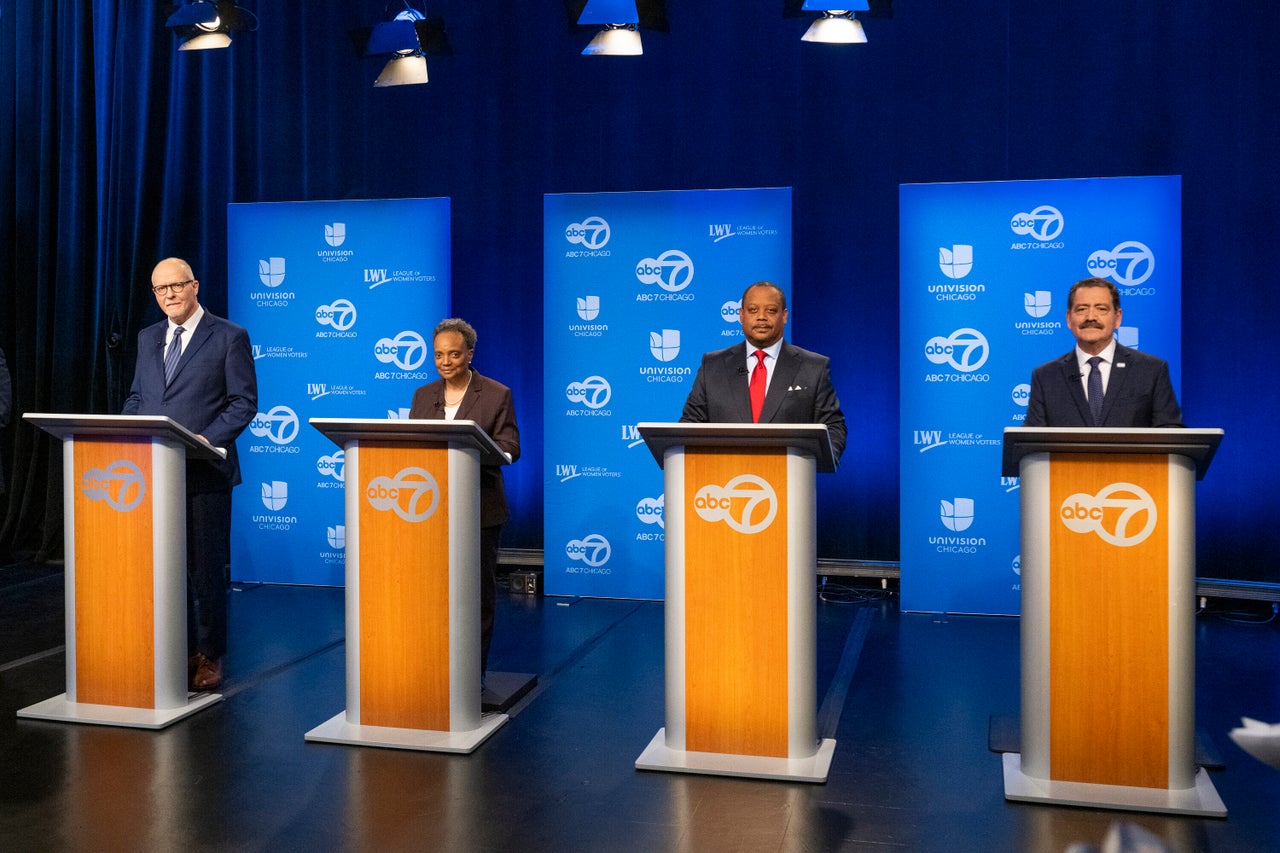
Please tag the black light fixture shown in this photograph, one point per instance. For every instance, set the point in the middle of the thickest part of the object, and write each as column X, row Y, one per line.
column 206, row 24
column 407, row 37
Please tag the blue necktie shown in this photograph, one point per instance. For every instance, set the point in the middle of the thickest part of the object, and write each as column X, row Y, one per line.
column 171, row 357
column 1094, row 389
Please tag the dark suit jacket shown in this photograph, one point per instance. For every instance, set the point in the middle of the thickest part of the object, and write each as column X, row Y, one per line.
column 1139, row 393
column 490, row 405
column 214, row 392
column 6, row 408
column 800, row 391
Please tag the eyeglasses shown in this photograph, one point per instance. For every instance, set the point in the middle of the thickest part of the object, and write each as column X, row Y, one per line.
column 175, row 287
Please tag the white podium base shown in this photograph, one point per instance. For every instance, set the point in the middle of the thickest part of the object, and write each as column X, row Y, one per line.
column 338, row 730
column 1201, row 801
column 59, row 710
column 658, row 756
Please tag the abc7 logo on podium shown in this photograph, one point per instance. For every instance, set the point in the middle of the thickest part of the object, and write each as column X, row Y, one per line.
column 747, row 503
column 121, row 486
column 412, row 494
column 1121, row 514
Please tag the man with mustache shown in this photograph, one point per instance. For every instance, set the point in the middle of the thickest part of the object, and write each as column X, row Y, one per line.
column 766, row 379
column 1101, row 383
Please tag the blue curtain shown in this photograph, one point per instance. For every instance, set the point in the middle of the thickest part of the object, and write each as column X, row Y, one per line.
column 116, row 150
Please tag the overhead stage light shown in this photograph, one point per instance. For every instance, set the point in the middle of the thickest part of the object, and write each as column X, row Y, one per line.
column 836, row 26
column 407, row 39
column 206, row 24
column 615, row 40
column 620, row 22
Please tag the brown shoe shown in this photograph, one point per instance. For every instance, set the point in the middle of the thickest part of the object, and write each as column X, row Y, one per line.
column 208, row 674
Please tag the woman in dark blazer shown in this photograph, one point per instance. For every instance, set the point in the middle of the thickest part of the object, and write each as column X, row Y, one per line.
column 461, row 393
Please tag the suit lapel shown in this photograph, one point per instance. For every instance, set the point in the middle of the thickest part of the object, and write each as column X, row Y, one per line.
column 470, row 400
column 1071, row 375
column 198, row 339
column 1119, row 374
column 784, row 373
column 739, row 385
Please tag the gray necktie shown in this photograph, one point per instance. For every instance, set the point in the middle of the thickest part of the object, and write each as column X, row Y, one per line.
column 175, row 352
column 1094, row 389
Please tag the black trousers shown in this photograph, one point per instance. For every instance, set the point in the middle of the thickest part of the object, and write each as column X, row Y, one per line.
column 208, row 572
column 489, row 538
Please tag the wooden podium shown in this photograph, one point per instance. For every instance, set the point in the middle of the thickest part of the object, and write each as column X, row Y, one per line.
column 125, row 529
column 412, row 490
column 741, row 578
column 1108, row 618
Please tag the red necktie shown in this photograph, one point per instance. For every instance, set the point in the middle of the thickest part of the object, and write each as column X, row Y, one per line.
column 759, row 377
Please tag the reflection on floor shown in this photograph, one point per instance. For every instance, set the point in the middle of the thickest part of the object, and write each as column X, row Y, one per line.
column 909, row 704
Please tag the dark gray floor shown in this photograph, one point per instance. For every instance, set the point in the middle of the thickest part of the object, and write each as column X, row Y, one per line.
column 909, row 708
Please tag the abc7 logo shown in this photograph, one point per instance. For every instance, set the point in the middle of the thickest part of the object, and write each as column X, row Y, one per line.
column 672, row 270
column 746, row 503
column 406, row 350
column 592, row 233
column 593, row 392
column 1129, row 264
column 280, row 425
column 411, row 494
column 1022, row 394
column 122, row 485
column 965, row 350
column 730, row 311
column 594, row 550
column 334, row 466
column 1122, row 514
column 651, row 510
column 1043, row 224
column 341, row 315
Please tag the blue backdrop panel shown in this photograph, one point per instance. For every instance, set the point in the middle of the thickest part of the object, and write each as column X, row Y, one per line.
column 637, row 287
column 985, row 270
column 339, row 298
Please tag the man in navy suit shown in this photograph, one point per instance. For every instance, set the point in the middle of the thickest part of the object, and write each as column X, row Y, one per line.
column 212, row 390
column 1135, row 387
column 786, row 384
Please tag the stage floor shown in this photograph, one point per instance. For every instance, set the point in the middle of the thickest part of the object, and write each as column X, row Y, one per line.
column 908, row 698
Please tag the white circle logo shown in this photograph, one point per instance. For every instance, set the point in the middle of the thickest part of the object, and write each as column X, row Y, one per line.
column 746, row 503
column 1122, row 514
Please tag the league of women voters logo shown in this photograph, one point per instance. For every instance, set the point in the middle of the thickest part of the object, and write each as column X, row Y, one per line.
column 121, row 485
column 747, row 503
column 1122, row 514
column 412, row 494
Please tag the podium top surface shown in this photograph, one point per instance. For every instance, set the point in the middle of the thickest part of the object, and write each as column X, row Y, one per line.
column 1199, row 445
column 812, row 439
column 125, row 426
column 412, row 431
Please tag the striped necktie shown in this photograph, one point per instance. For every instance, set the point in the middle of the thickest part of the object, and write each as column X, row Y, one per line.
column 171, row 357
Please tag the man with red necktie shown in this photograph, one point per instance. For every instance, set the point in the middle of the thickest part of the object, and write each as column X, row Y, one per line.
column 765, row 379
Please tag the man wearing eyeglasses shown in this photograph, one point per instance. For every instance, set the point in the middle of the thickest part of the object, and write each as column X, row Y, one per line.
column 198, row 369
column 1100, row 382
